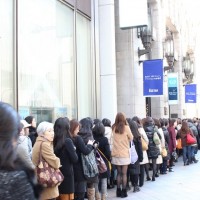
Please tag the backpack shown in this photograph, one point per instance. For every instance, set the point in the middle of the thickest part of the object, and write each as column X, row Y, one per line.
column 90, row 169
column 133, row 153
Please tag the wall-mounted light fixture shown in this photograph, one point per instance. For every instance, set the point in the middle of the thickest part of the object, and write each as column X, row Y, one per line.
column 146, row 36
column 169, row 50
column 188, row 68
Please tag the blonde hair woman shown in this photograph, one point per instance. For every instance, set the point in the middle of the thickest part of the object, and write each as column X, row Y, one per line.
column 46, row 135
column 122, row 136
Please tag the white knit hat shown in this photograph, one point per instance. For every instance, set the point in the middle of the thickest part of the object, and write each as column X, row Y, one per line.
column 44, row 126
column 25, row 124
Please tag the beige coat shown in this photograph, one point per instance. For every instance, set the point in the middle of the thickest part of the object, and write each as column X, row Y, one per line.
column 121, row 143
column 50, row 157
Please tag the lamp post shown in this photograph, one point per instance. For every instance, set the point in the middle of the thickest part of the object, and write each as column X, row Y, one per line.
column 169, row 50
column 188, row 69
column 146, row 36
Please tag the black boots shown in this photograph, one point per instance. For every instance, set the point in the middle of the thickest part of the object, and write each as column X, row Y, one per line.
column 124, row 193
column 118, row 192
column 136, row 189
column 121, row 193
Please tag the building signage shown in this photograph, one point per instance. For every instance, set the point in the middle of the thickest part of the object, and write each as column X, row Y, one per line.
column 191, row 93
column 172, row 88
column 132, row 13
column 153, row 77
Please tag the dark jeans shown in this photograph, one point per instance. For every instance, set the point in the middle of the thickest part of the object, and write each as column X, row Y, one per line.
column 187, row 153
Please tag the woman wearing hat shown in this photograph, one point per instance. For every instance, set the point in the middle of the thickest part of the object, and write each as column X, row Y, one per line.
column 17, row 180
column 45, row 136
column 24, row 146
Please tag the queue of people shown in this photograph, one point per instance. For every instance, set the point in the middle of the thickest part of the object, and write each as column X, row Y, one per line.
column 152, row 142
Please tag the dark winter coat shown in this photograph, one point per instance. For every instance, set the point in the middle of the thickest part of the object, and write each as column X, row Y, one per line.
column 68, row 157
column 135, row 168
column 32, row 135
column 81, row 147
column 153, row 150
column 104, row 147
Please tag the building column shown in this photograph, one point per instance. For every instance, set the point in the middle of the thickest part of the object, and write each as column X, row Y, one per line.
column 107, row 59
column 158, row 103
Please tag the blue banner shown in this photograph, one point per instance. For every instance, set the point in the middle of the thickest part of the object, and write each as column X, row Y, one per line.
column 191, row 93
column 153, row 77
column 172, row 88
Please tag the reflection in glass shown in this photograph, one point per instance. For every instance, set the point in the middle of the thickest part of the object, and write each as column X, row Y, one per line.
column 46, row 60
column 84, row 68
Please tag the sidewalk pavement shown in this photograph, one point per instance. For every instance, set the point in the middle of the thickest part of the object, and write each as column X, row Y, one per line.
column 182, row 184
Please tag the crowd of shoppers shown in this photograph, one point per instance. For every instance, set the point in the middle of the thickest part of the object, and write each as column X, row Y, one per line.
column 63, row 144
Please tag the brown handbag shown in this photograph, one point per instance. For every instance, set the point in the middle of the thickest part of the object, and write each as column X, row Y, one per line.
column 47, row 176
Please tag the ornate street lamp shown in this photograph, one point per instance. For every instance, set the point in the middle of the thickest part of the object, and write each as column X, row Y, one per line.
column 188, row 68
column 146, row 36
column 169, row 50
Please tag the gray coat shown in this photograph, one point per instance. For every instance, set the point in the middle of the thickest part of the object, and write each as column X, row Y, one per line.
column 24, row 151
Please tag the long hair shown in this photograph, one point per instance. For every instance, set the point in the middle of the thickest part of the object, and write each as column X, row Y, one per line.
column 9, row 132
column 73, row 125
column 120, row 122
column 185, row 128
column 134, row 128
column 61, row 129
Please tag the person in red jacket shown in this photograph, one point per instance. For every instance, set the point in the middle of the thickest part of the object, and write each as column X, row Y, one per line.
column 172, row 141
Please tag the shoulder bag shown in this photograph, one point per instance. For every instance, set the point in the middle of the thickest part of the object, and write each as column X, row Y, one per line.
column 47, row 176
column 190, row 139
column 90, row 169
column 144, row 144
column 133, row 153
column 100, row 163
column 108, row 162
column 156, row 138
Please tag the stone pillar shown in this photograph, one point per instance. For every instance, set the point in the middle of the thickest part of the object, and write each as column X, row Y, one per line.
column 107, row 59
column 130, row 98
column 158, row 103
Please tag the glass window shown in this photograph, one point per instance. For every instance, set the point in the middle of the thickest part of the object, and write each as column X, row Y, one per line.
column 6, row 51
column 84, row 68
column 46, row 59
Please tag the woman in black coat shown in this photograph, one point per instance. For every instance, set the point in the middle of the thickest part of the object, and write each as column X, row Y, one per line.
column 104, row 147
column 66, row 151
column 81, row 148
column 134, row 169
column 32, row 129
column 153, row 150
